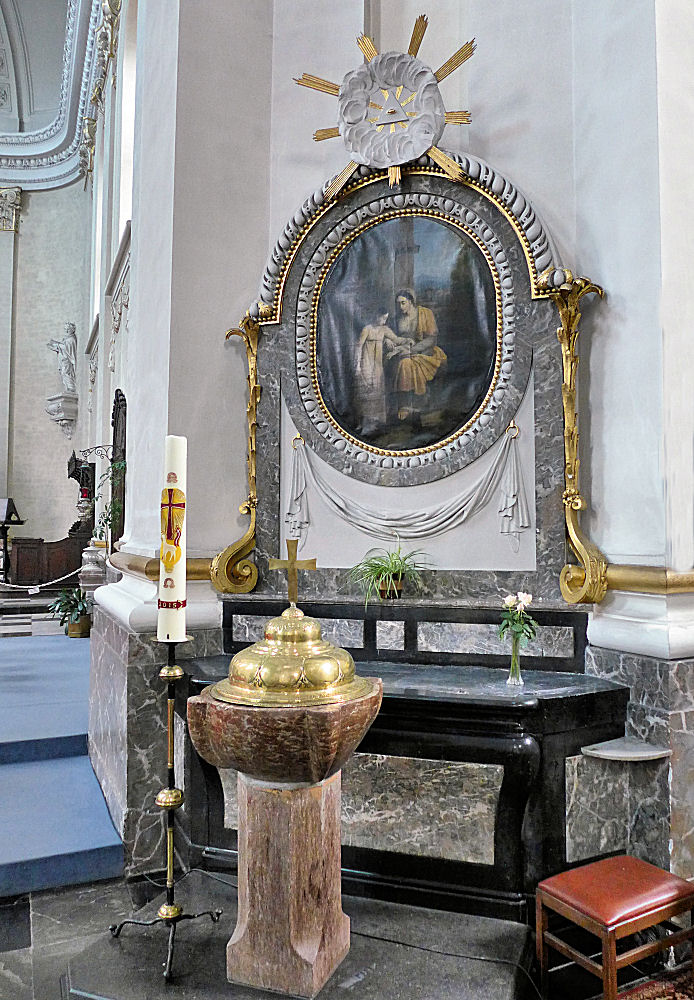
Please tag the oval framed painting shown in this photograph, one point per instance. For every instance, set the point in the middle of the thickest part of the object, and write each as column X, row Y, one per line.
column 406, row 333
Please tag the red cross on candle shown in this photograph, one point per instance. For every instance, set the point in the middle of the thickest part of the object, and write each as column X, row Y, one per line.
column 169, row 507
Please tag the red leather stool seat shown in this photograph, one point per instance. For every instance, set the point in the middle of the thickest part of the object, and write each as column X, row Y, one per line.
column 611, row 898
column 617, row 889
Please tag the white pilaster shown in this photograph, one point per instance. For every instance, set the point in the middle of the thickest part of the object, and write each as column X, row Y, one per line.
column 9, row 216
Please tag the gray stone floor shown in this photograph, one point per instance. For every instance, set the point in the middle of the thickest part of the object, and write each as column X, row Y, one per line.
column 397, row 952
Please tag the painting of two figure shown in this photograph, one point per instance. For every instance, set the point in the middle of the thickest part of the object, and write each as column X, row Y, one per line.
column 406, row 337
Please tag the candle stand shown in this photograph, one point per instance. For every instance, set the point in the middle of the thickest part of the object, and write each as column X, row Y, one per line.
column 170, row 798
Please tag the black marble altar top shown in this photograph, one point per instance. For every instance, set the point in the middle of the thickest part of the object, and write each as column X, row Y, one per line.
column 464, row 685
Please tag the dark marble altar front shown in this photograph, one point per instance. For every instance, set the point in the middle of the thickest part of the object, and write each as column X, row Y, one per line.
column 457, row 795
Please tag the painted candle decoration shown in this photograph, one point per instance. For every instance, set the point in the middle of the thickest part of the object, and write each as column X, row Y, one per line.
column 171, row 620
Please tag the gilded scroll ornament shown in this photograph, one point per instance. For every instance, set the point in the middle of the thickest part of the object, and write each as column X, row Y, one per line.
column 587, row 583
column 232, row 572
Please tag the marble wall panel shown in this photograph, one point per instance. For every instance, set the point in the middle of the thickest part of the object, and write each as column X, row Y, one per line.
column 648, row 678
column 455, row 637
column 339, row 631
column 649, row 811
column 682, row 793
column 390, row 635
column 597, row 807
column 108, row 719
column 127, row 730
column 430, row 808
column 652, row 725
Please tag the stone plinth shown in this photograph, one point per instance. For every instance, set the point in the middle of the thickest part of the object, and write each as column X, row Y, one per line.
column 291, row 933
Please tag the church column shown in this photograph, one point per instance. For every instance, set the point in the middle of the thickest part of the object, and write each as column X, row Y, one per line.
column 637, row 407
column 10, row 200
column 198, row 246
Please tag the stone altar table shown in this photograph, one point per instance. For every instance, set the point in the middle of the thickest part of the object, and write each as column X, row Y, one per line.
column 444, row 715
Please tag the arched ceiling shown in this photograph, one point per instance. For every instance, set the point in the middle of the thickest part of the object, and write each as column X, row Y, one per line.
column 46, row 59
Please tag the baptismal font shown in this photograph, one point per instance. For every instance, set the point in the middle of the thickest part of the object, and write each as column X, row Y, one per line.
column 287, row 718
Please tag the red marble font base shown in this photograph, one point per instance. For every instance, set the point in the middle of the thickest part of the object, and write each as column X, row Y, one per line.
column 291, row 933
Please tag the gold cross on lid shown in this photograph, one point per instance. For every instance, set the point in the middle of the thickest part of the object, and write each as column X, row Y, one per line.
column 292, row 566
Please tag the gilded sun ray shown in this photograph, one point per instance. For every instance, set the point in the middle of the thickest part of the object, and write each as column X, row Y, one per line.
column 326, row 133
column 458, row 118
column 318, row 83
column 456, row 60
column 367, row 46
column 420, row 26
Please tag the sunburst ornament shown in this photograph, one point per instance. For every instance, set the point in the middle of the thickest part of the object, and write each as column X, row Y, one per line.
column 390, row 109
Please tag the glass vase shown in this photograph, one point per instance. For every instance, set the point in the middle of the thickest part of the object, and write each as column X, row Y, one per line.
column 514, row 678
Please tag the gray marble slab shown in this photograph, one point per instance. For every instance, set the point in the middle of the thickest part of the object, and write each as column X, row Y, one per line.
column 339, row 631
column 597, row 807
column 127, row 729
column 429, row 808
column 456, row 637
column 390, row 635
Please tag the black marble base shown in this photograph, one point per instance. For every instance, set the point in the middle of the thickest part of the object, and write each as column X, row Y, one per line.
column 449, row 715
column 398, row 952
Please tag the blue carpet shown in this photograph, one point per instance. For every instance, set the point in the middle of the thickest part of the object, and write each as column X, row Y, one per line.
column 54, row 826
column 44, row 697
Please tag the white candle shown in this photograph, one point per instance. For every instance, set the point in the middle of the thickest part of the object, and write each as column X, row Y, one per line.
column 171, row 620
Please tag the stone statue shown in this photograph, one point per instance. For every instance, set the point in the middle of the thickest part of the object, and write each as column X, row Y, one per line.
column 66, row 349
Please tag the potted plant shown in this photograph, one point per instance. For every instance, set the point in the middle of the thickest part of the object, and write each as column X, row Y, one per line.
column 383, row 572
column 73, row 607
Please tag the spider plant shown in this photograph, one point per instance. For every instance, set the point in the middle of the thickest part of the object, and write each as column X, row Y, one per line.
column 383, row 571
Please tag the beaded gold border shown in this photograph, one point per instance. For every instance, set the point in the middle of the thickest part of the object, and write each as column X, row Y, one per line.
column 273, row 313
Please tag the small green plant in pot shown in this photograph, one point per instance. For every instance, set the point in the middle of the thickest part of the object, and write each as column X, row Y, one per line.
column 383, row 572
column 73, row 608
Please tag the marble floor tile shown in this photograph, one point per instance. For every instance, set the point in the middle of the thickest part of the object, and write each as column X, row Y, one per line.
column 16, row 979
column 59, row 915
column 15, row 924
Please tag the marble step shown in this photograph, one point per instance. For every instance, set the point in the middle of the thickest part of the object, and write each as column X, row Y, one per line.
column 44, row 697
column 55, row 828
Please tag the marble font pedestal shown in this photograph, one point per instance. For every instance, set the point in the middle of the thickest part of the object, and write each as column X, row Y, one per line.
column 291, row 932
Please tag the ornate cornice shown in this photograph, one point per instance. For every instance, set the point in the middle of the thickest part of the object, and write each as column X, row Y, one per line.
column 50, row 157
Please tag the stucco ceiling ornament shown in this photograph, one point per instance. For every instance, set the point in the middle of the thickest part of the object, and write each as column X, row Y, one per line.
column 390, row 109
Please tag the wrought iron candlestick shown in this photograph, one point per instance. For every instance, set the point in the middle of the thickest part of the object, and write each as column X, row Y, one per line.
column 170, row 799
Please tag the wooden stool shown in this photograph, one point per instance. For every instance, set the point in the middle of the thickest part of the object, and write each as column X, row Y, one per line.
column 611, row 899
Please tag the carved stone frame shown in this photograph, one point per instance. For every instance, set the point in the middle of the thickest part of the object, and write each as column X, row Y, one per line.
column 276, row 329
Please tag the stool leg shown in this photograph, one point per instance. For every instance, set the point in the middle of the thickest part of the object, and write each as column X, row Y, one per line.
column 540, row 944
column 609, row 966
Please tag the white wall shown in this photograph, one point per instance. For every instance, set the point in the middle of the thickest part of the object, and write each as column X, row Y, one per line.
column 618, row 245
column 51, row 288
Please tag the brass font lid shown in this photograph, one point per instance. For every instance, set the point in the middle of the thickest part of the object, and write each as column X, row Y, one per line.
column 292, row 666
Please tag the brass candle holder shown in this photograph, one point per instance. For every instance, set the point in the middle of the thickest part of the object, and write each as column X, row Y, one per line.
column 170, row 799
